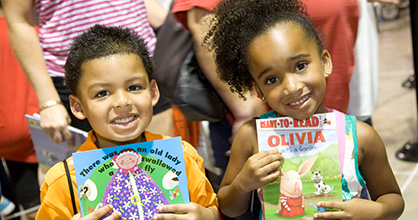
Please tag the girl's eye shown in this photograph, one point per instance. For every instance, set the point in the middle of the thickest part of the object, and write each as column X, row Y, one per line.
column 271, row 80
column 102, row 94
column 134, row 88
column 301, row 66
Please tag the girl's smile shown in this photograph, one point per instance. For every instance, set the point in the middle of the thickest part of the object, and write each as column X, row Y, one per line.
column 288, row 71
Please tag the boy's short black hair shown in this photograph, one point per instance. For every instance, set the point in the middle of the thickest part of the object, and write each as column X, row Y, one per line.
column 101, row 41
column 236, row 23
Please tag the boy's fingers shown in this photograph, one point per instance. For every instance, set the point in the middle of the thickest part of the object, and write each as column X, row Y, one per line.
column 115, row 215
column 181, row 208
column 77, row 216
column 98, row 213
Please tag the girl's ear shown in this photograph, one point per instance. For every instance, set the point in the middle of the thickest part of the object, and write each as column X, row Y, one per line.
column 326, row 63
column 76, row 108
column 155, row 93
column 259, row 93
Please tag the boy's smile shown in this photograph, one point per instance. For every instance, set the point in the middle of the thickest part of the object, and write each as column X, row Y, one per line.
column 116, row 96
column 288, row 74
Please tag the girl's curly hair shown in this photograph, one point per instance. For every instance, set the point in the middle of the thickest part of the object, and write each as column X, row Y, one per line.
column 237, row 23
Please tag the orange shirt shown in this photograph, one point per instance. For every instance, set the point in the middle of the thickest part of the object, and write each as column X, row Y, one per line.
column 55, row 193
column 17, row 99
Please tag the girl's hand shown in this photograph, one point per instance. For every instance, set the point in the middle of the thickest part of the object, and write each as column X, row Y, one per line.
column 352, row 209
column 98, row 213
column 260, row 169
column 191, row 211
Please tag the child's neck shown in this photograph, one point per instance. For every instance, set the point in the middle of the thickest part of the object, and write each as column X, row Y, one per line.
column 102, row 142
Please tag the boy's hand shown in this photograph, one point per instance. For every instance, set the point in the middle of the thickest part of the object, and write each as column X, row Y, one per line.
column 351, row 209
column 98, row 213
column 260, row 169
column 189, row 211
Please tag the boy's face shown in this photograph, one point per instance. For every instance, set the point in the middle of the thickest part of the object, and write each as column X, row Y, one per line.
column 116, row 96
column 288, row 71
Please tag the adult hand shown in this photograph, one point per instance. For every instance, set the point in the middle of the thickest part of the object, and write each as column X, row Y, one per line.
column 98, row 214
column 54, row 122
column 391, row 2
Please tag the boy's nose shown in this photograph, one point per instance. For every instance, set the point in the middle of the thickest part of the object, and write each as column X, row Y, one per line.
column 121, row 99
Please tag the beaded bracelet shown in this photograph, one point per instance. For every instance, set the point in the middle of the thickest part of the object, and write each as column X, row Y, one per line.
column 50, row 103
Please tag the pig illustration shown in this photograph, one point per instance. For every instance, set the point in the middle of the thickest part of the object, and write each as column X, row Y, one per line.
column 291, row 197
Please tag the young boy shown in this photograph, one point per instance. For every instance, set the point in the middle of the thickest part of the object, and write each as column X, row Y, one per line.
column 108, row 71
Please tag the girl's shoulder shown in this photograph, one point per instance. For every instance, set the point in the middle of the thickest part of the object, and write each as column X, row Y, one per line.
column 246, row 137
column 369, row 141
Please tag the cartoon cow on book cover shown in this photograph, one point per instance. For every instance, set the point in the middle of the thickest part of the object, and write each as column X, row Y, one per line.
column 292, row 201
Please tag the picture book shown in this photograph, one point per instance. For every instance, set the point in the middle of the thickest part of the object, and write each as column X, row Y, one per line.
column 134, row 178
column 47, row 152
column 310, row 170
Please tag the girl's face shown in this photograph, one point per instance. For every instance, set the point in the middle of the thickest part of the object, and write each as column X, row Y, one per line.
column 116, row 96
column 288, row 71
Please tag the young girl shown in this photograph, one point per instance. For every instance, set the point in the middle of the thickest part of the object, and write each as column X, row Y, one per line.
column 271, row 47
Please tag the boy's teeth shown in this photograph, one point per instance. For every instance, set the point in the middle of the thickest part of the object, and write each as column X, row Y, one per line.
column 125, row 120
column 299, row 102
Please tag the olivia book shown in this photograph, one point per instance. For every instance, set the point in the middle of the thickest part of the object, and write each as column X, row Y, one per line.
column 310, row 170
column 134, row 178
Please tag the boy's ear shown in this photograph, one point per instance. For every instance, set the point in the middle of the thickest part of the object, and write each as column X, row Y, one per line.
column 76, row 108
column 326, row 63
column 155, row 93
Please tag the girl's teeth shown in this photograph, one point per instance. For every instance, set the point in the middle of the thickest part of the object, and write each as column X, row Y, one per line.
column 123, row 121
column 300, row 102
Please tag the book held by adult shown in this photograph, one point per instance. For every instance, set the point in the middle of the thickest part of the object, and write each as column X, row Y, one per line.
column 134, row 178
column 48, row 152
column 310, row 170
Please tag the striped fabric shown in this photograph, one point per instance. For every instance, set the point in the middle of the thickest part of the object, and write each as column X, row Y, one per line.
column 62, row 20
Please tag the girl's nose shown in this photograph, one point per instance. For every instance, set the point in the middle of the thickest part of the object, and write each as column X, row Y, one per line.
column 291, row 84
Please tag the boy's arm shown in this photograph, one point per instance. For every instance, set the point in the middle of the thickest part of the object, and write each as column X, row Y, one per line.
column 247, row 170
column 25, row 43
column 55, row 194
column 387, row 201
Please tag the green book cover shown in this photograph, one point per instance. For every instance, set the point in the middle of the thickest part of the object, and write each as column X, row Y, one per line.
column 134, row 178
column 310, row 170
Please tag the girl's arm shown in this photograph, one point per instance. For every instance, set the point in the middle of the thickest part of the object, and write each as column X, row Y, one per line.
column 378, row 174
column 247, row 170
column 387, row 201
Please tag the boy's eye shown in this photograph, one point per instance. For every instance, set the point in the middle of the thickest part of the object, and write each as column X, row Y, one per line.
column 272, row 80
column 301, row 66
column 134, row 88
column 102, row 94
